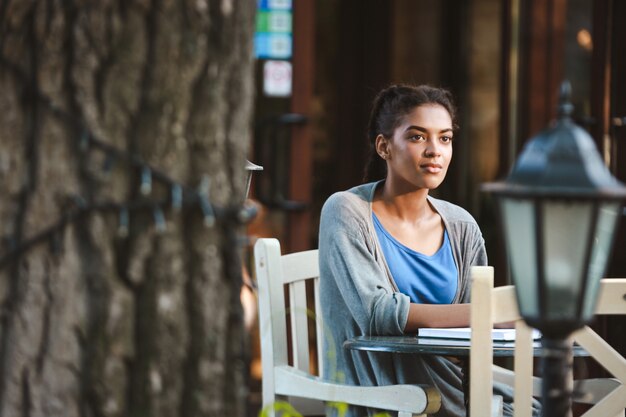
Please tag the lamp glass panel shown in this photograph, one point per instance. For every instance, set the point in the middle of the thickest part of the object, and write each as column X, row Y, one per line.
column 605, row 228
column 566, row 226
column 519, row 231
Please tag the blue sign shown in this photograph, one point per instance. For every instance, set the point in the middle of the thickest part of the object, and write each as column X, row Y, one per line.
column 273, row 39
column 272, row 45
column 274, row 4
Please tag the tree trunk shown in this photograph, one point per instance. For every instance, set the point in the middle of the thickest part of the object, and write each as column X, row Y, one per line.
column 101, row 317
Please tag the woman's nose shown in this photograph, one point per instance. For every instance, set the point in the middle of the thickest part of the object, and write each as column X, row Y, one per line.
column 432, row 149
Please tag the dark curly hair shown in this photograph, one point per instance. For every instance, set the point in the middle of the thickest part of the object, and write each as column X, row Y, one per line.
column 389, row 107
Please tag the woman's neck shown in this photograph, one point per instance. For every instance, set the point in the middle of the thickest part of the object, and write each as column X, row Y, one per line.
column 403, row 203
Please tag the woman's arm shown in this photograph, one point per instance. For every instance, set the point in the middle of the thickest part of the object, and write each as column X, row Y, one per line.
column 442, row 315
column 437, row 315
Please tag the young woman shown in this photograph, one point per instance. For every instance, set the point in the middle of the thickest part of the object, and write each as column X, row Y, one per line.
column 394, row 259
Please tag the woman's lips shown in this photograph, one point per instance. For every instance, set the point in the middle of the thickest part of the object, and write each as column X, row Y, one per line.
column 431, row 168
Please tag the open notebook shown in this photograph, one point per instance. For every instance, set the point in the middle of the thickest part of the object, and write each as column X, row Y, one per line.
column 466, row 333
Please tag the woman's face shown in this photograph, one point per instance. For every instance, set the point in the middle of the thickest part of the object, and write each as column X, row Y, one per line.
column 419, row 152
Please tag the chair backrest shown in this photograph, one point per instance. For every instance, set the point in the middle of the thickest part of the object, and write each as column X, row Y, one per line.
column 611, row 301
column 497, row 305
column 491, row 305
column 297, row 272
column 296, row 383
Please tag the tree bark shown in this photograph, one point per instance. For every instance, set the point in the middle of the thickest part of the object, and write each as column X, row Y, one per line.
column 95, row 322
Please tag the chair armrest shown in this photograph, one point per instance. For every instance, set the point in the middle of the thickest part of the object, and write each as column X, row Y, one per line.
column 417, row 399
column 507, row 376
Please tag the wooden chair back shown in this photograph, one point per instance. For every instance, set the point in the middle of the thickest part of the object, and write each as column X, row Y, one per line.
column 499, row 305
column 295, row 383
column 275, row 273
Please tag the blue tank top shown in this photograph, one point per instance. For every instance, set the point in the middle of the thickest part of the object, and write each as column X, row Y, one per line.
column 425, row 279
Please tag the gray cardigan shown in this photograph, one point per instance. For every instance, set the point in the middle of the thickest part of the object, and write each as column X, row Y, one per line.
column 359, row 296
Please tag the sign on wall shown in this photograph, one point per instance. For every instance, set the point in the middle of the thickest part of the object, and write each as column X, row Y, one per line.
column 277, row 78
column 273, row 36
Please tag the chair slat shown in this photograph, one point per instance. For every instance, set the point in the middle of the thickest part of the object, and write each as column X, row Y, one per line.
column 611, row 405
column 299, row 325
column 524, row 379
column 319, row 326
column 481, row 318
column 505, row 304
column 611, row 298
column 602, row 352
column 272, row 328
column 300, row 266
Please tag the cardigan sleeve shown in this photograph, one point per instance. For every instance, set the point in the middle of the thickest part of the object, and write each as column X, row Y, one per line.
column 475, row 254
column 348, row 262
column 478, row 251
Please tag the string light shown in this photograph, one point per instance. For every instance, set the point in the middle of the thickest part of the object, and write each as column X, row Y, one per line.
column 159, row 220
column 83, row 144
column 177, row 197
column 107, row 165
column 122, row 228
column 146, row 181
column 207, row 210
column 180, row 195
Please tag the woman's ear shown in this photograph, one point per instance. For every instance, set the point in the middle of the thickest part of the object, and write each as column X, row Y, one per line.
column 382, row 147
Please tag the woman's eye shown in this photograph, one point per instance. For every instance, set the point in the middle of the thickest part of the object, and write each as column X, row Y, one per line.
column 416, row 138
column 446, row 139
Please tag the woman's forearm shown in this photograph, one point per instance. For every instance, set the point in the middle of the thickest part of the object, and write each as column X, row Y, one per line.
column 437, row 315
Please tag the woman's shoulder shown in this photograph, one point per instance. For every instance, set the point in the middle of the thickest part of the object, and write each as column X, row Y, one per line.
column 451, row 212
column 356, row 198
column 347, row 210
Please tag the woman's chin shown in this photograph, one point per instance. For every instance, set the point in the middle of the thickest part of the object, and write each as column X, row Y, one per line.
column 431, row 185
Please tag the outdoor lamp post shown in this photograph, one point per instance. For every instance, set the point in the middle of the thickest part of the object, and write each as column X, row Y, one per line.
column 250, row 169
column 559, row 207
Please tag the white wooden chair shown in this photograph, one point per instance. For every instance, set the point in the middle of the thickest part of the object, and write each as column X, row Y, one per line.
column 294, row 383
column 497, row 305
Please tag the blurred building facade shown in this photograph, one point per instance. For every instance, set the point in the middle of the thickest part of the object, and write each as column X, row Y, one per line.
column 502, row 59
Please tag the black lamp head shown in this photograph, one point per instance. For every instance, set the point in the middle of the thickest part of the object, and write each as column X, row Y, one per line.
column 559, row 207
